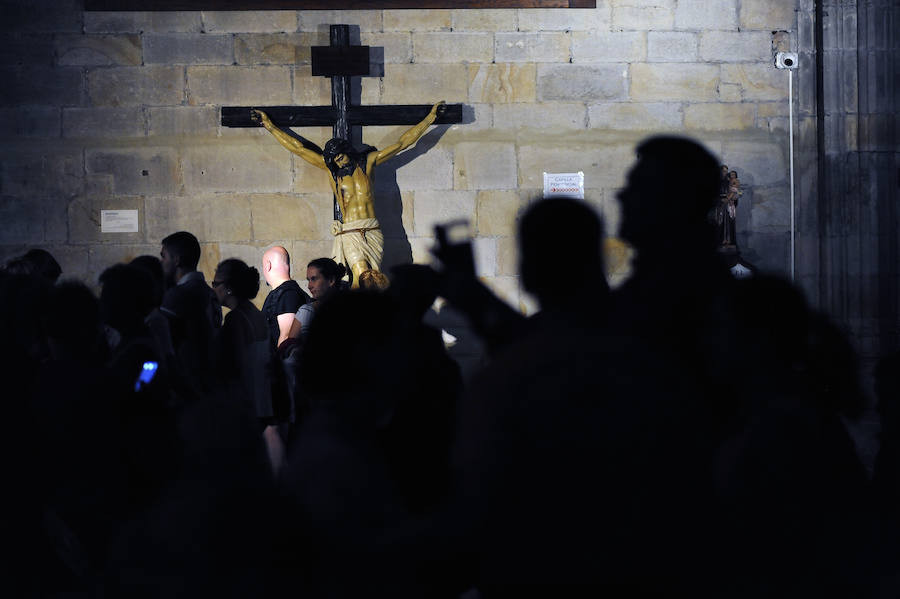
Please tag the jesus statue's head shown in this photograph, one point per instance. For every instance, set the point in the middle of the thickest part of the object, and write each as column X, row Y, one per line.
column 341, row 158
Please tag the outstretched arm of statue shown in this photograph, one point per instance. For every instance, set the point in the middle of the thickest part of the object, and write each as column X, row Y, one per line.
column 410, row 137
column 290, row 142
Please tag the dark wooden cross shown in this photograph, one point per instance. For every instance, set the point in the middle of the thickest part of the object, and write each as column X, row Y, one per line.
column 341, row 61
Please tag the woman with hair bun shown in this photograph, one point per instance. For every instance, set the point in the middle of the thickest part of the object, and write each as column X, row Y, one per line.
column 323, row 277
column 244, row 352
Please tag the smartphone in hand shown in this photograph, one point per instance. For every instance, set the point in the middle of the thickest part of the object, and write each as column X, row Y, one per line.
column 454, row 247
column 145, row 376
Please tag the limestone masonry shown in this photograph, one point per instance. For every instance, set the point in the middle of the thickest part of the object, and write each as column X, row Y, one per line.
column 121, row 111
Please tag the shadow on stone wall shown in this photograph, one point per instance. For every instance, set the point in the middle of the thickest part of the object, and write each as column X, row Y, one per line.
column 389, row 202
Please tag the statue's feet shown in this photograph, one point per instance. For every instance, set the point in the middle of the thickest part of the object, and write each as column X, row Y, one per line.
column 373, row 280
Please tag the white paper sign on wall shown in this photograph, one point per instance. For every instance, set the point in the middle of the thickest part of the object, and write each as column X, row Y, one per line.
column 564, row 185
column 118, row 221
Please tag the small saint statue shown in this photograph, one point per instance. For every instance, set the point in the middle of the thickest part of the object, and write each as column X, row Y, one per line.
column 726, row 209
column 358, row 240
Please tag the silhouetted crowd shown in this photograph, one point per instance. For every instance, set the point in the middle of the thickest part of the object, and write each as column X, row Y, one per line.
column 684, row 434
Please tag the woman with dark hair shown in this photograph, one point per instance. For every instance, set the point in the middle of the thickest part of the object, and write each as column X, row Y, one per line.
column 323, row 277
column 36, row 262
column 244, row 353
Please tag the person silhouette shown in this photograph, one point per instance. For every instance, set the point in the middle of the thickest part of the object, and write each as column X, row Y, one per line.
column 774, row 432
column 195, row 315
column 571, row 442
column 561, row 264
column 561, row 259
column 679, row 299
column 37, row 262
column 669, row 193
column 244, row 354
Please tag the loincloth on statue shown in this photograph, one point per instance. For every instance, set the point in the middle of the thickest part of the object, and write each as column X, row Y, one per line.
column 356, row 241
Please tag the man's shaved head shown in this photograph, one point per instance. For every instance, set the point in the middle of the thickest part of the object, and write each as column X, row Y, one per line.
column 276, row 265
column 277, row 255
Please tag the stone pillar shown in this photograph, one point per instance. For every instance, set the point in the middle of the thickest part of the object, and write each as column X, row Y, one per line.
column 878, row 61
column 848, row 250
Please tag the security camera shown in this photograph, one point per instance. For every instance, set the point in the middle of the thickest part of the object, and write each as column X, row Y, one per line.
column 786, row 60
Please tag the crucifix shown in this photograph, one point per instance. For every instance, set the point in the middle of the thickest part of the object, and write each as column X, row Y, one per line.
column 359, row 243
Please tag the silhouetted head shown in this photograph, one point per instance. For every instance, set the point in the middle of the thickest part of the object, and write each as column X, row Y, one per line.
column 45, row 265
column 235, row 278
column 152, row 266
column 560, row 250
column 322, row 277
column 668, row 195
column 20, row 267
column 369, row 352
column 72, row 322
column 23, row 302
column 180, row 250
column 126, row 297
column 414, row 287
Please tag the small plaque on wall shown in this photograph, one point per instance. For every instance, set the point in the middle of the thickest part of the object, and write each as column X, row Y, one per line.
column 564, row 185
column 118, row 221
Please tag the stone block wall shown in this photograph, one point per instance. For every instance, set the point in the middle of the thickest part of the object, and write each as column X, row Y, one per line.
column 121, row 111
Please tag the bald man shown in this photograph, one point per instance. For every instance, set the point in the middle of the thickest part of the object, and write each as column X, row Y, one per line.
column 286, row 296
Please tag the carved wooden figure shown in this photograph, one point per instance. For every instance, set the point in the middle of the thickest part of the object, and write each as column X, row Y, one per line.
column 358, row 239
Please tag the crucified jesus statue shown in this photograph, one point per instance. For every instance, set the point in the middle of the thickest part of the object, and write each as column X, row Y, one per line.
column 358, row 240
